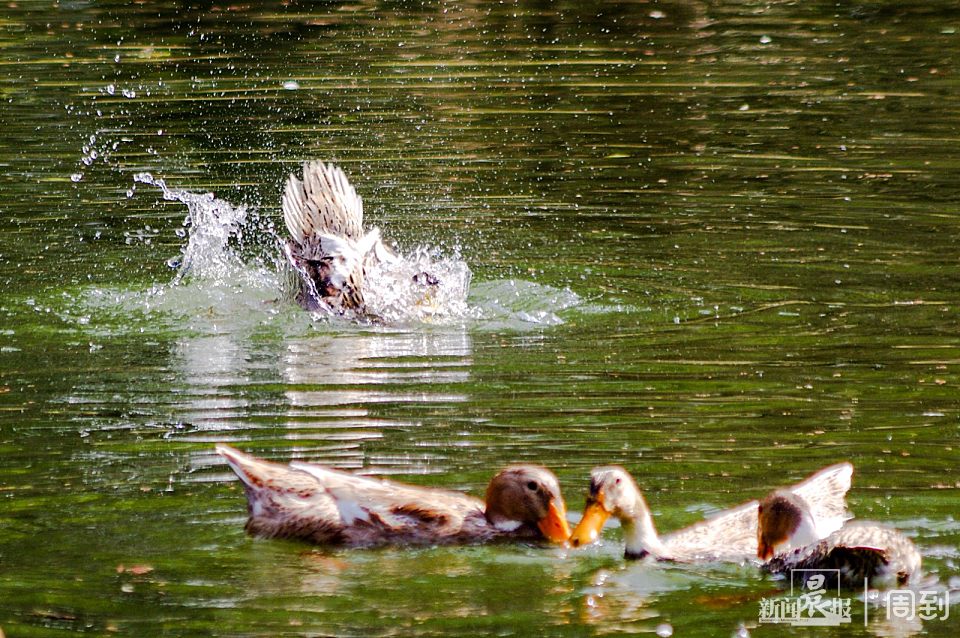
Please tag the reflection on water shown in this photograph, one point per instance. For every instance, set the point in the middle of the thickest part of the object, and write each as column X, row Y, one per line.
column 332, row 381
column 615, row 603
column 426, row 590
column 340, row 362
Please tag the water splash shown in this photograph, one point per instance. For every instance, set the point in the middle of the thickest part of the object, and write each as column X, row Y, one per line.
column 211, row 224
column 423, row 286
column 231, row 272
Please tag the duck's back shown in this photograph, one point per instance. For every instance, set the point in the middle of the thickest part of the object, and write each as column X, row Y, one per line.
column 284, row 503
column 858, row 551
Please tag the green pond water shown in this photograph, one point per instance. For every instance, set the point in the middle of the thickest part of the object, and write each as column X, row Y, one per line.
column 714, row 242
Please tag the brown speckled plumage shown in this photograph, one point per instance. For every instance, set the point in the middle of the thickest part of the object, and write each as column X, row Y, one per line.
column 324, row 506
column 328, row 250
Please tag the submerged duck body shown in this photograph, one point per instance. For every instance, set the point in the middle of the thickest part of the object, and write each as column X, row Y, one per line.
column 328, row 249
column 858, row 552
column 729, row 536
column 319, row 505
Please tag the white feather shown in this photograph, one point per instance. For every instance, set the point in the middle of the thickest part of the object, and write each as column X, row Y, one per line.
column 507, row 526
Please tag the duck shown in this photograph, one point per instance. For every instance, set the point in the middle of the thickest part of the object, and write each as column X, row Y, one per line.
column 314, row 503
column 328, row 250
column 730, row 536
column 857, row 553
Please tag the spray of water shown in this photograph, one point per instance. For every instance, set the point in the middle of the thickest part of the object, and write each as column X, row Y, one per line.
column 231, row 268
column 423, row 286
column 211, row 225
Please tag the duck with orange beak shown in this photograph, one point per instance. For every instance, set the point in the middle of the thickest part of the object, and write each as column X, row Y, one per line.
column 320, row 505
column 729, row 536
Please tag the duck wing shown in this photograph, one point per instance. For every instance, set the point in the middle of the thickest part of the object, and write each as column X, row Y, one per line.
column 731, row 535
column 324, row 202
column 825, row 492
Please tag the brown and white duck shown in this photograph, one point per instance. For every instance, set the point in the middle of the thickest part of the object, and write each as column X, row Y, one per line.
column 314, row 503
column 857, row 552
column 328, row 249
column 730, row 536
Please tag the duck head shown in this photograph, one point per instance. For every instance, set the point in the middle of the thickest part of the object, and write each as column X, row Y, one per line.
column 784, row 522
column 613, row 492
column 528, row 495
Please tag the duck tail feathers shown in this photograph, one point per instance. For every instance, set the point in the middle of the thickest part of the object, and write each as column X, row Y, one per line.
column 323, row 202
column 251, row 470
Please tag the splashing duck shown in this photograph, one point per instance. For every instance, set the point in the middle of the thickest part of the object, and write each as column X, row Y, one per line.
column 328, row 249
column 788, row 538
column 314, row 503
column 729, row 536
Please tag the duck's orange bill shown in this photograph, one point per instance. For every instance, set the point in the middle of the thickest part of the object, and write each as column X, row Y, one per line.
column 588, row 529
column 554, row 525
column 764, row 549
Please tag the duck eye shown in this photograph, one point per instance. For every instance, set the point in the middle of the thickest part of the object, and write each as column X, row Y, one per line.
column 532, row 486
column 617, row 481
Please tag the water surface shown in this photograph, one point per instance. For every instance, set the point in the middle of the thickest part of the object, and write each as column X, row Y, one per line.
column 712, row 242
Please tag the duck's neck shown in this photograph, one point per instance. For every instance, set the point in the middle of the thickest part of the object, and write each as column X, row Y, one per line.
column 641, row 536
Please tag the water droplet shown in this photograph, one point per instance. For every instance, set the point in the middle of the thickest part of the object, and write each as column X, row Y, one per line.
column 664, row 630
column 291, row 85
column 765, row 39
column 111, row 89
column 76, row 177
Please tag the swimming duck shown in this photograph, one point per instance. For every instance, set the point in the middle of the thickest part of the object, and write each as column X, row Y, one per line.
column 327, row 249
column 854, row 553
column 314, row 503
column 731, row 535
